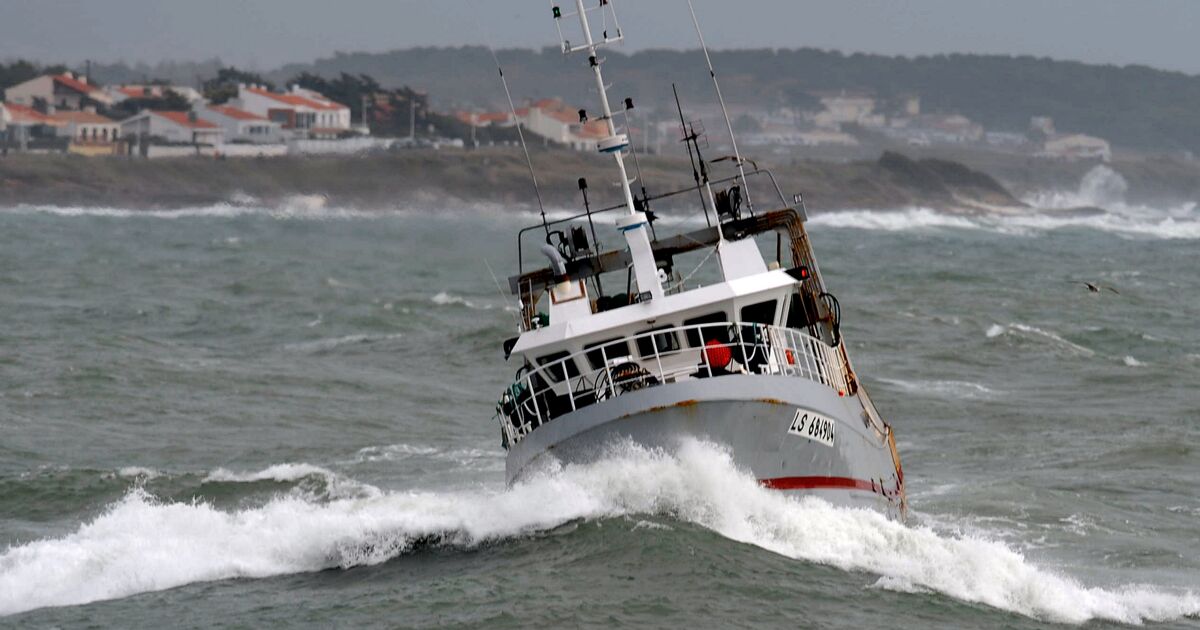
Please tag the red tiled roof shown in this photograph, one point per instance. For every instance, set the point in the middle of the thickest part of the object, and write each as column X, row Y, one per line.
column 83, row 117
column 235, row 113
column 22, row 114
column 136, row 91
column 181, row 118
column 482, row 118
column 562, row 116
column 296, row 100
column 75, row 84
column 596, row 129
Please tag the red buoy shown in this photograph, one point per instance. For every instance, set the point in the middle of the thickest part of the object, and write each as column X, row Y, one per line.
column 716, row 354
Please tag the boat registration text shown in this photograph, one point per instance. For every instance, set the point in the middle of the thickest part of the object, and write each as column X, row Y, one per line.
column 813, row 426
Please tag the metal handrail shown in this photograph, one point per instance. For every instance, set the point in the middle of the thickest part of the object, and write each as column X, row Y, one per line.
column 531, row 400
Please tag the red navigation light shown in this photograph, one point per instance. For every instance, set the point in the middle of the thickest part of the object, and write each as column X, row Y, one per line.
column 800, row 273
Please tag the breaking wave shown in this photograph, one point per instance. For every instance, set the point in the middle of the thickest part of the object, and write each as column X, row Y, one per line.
column 294, row 207
column 1150, row 224
column 1098, row 204
column 1042, row 337
column 331, row 343
column 893, row 220
column 966, row 390
column 142, row 544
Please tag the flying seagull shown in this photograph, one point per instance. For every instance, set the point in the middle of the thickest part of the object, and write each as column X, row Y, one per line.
column 1095, row 288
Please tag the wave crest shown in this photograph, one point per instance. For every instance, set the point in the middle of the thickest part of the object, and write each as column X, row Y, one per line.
column 141, row 544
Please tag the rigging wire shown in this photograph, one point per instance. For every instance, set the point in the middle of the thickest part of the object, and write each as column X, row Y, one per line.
column 713, row 73
column 503, row 300
column 512, row 109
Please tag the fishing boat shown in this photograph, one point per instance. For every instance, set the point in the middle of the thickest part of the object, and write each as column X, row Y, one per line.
column 622, row 344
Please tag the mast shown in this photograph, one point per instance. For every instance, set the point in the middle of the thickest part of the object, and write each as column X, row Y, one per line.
column 632, row 225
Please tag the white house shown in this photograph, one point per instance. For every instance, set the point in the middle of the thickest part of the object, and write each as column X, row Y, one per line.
column 1077, row 146
column 87, row 127
column 242, row 126
column 175, row 127
column 65, row 91
column 553, row 120
column 300, row 112
column 847, row 107
column 25, row 124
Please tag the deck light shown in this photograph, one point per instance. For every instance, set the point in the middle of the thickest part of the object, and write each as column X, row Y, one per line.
column 557, row 13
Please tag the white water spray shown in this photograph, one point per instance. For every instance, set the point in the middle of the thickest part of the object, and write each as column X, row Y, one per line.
column 141, row 544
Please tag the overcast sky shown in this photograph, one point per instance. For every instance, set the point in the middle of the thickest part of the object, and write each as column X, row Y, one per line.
column 263, row 34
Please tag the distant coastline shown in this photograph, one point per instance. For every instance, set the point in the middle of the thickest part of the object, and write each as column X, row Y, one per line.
column 499, row 177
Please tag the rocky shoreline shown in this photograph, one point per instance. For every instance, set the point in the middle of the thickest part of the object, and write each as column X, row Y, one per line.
column 493, row 176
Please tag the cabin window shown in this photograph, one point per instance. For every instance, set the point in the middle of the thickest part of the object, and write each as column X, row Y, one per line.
column 761, row 313
column 611, row 348
column 555, row 368
column 798, row 316
column 697, row 337
column 664, row 340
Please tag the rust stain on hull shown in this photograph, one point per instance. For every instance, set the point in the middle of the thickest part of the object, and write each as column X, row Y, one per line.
column 684, row 404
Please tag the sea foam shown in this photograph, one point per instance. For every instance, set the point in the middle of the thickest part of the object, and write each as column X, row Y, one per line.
column 141, row 544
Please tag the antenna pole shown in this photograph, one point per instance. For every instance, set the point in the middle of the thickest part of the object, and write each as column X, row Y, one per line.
column 512, row 109
column 737, row 156
column 688, row 143
column 632, row 225
column 594, row 61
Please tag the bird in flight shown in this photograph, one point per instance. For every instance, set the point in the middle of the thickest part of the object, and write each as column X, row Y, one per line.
column 1095, row 288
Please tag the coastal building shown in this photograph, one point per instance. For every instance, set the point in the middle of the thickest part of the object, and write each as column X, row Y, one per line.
column 549, row 119
column 172, row 127
column 64, row 91
column 488, row 119
column 774, row 134
column 241, row 126
column 300, row 113
column 480, row 120
column 1042, row 126
column 930, row 129
column 27, row 128
column 557, row 122
column 845, row 107
column 1076, row 146
column 87, row 126
column 121, row 93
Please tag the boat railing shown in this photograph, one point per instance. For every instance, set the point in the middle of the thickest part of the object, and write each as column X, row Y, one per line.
column 662, row 356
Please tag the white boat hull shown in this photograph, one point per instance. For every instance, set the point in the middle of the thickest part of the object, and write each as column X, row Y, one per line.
column 775, row 427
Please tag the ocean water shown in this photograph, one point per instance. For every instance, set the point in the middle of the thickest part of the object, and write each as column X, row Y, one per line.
column 254, row 417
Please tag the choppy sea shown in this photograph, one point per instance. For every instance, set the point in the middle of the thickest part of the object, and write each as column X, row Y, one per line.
column 249, row 416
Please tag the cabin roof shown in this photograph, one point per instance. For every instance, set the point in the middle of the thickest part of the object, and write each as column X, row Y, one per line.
column 632, row 319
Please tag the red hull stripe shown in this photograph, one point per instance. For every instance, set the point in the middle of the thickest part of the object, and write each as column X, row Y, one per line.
column 811, row 483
